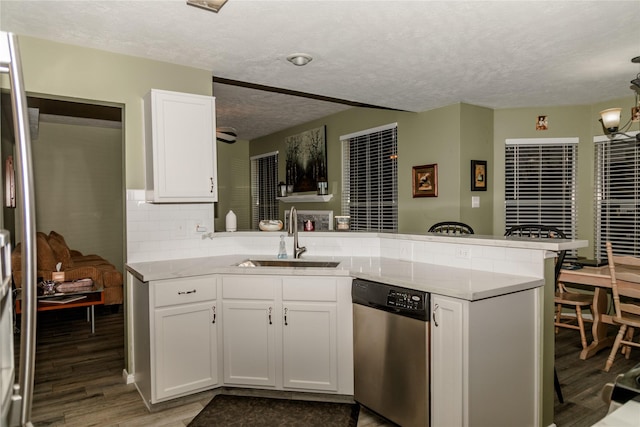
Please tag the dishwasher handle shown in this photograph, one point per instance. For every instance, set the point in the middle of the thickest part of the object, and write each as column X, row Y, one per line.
column 381, row 307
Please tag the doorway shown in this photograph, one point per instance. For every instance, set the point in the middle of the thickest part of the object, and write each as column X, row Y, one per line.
column 78, row 168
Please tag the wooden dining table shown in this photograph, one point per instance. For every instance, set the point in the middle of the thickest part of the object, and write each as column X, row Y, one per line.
column 600, row 279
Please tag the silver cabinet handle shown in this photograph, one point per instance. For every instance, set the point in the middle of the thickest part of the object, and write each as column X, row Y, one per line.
column 186, row 292
column 214, row 314
column 435, row 320
column 285, row 317
column 270, row 322
column 211, row 191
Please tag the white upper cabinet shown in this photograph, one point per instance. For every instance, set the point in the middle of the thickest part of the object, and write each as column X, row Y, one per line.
column 180, row 147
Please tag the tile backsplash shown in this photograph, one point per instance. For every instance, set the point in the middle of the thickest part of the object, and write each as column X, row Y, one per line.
column 176, row 231
column 165, row 231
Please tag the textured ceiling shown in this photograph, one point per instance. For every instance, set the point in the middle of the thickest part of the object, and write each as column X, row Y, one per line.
column 407, row 55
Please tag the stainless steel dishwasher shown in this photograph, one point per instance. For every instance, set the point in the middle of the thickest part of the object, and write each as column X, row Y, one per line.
column 391, row 351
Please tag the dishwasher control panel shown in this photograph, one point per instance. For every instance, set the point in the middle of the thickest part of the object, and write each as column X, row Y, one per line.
column 404, row 299
column 390, row 298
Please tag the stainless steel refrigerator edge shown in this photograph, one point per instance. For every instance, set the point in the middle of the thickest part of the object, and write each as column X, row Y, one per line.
column 16, row 399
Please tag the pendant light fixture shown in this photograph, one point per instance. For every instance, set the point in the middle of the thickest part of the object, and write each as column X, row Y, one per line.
column 610, row 118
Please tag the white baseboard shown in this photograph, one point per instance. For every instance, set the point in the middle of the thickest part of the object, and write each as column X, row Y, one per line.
column 128, row 378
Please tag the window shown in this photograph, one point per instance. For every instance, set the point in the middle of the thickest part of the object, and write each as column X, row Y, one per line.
column 540, row 182
column 617, row 196
column 264, row 187
column 370, row 179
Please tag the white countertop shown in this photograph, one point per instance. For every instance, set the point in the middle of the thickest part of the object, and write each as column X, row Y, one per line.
column 448, row 281
column 628, row 415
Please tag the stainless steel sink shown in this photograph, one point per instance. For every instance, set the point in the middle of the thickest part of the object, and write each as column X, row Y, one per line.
column 288, row 263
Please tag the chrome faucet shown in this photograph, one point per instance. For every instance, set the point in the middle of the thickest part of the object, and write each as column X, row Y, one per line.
column 293, row 231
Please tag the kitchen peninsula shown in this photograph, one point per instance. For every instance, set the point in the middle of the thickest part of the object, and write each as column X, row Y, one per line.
column 476, row 280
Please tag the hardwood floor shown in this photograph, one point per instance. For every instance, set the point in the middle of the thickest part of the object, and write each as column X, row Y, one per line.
column 79, row 378
column 582, row 380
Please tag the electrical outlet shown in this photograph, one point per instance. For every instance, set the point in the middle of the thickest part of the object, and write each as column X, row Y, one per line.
column 462, row 253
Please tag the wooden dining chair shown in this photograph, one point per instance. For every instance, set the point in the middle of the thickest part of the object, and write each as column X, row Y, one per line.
column 625, row 287
column 451, row 227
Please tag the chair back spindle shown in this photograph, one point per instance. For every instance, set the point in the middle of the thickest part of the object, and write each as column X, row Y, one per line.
column 625, row 288
column 451, row 227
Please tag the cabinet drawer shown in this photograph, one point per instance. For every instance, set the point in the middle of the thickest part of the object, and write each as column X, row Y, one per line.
column 249, row 287
column 184, row 291
column 309, row 289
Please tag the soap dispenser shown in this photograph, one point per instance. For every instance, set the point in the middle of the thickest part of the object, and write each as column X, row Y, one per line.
column 282, row 250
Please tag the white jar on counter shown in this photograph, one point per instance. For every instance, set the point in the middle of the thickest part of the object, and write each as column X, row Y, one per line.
column 231, row 221
column 342, row 223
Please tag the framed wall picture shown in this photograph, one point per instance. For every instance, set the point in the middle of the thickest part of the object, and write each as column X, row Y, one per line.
column 306, row 159
column 425, row 181
column 478, row 175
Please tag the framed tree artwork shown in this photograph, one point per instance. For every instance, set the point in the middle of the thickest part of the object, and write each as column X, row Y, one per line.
column 425, row 181
column 478, row 175
column 306, row 161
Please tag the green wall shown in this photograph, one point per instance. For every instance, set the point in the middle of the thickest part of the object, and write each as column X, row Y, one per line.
column 234, row 184
column 77, row 172
column 570, row 121
column 476, row 142
column 451, row 137
column 64, row 71
column 423, row 138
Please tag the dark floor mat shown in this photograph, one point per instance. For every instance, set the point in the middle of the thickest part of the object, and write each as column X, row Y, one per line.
column 226, row 410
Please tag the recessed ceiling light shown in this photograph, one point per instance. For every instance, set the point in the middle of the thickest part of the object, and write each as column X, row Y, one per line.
column 299, row 59
column 212, row 5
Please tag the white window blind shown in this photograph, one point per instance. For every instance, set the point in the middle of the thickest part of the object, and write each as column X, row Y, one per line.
column 540, row 183
column 617, row 196
column 370, row 179
column 264, row 188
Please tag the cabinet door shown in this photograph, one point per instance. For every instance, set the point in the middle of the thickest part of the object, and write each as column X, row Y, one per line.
column 186, row 343
column 310, row 346
column 447, row 363
column 249, row 342
column 183, row 147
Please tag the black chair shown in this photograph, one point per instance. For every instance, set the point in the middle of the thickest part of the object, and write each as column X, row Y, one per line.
column 451, row 227
column 539, row 231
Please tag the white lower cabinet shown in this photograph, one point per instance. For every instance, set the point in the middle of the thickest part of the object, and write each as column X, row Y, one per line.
column 283, row 333
column 176, row 327
column 249, row 331
column 310, row 333
column 309, row 346
column 447, row 362
column 249, row 343
column 186, row 346
column 271, row 332
column 484, row 361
